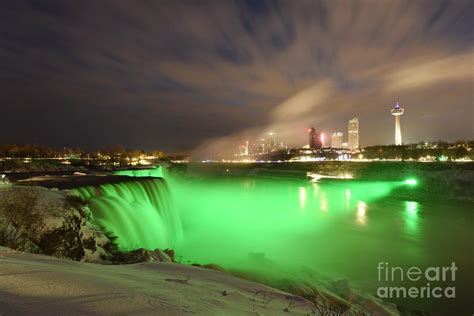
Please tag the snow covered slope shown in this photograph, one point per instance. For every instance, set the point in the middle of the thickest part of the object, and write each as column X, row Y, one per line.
column 42, row 285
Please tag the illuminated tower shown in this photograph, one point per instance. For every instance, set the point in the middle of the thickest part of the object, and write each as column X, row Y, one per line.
column 397, row 111
column 353, row 133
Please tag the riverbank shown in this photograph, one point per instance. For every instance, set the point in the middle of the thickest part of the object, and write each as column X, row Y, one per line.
column 453, row 180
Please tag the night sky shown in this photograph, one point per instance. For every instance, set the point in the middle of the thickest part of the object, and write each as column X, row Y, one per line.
column 177, row 75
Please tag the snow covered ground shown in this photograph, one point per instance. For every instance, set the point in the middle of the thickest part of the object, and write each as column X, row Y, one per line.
column 43, row 285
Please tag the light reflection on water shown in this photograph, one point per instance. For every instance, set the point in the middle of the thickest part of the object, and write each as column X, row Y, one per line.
column 302, row 197
column 411, row 217
column 361, row 212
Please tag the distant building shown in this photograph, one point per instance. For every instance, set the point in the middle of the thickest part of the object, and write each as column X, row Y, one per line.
column 282, row 146
column 319, row 140
column 315, row 139
column 353, row 133
column 271, row 141
column 336, row 140
column 262, row 146
column 312, row 137
column 244, row 149
column 255, row 149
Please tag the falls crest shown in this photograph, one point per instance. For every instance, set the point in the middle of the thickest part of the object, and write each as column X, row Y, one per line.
column 140, row 213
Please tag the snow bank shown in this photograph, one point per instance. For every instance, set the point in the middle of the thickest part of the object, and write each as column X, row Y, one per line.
column 42, row 285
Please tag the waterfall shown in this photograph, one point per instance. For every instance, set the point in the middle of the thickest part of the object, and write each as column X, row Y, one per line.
column 140, row 213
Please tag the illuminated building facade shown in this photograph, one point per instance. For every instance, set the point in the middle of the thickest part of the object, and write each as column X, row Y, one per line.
column 315, row 139
column 244, row 149
column 336, row 140
column 353, row 133
column 271, row 141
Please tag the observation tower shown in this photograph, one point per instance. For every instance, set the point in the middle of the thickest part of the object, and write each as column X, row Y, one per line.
column 397, row 111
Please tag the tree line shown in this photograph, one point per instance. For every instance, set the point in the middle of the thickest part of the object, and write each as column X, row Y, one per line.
column 41, row 151
column 438, row 151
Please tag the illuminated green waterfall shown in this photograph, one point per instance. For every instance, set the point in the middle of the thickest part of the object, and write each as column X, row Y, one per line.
column 282, row 229
column 140, row 213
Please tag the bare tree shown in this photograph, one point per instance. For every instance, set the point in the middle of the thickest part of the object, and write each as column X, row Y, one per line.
column 18, row 217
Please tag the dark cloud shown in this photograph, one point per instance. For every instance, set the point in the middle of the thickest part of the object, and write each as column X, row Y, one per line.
column 173, row 74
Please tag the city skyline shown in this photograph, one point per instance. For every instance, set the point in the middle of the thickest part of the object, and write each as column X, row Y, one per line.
column 317, row 140
column 194, row 76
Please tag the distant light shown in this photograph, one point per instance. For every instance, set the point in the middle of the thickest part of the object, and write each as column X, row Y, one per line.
column 144, row 162
column 410, row 182
column 322, row 139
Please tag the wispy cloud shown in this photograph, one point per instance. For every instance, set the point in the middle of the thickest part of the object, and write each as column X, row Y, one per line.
column 190, row 70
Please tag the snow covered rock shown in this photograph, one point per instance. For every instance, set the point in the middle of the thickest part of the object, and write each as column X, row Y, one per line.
column 51, row 222
column 142, row 255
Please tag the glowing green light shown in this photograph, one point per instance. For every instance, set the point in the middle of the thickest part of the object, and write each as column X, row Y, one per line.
column 222, row 220
column 139, row 213
column 411, row 182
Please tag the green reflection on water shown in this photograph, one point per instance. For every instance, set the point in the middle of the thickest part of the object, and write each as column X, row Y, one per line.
column 225, row 219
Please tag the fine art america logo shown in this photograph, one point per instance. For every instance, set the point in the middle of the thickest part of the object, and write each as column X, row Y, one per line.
column 437, row 281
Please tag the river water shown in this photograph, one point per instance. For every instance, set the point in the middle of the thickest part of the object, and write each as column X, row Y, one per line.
column 340, row 229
